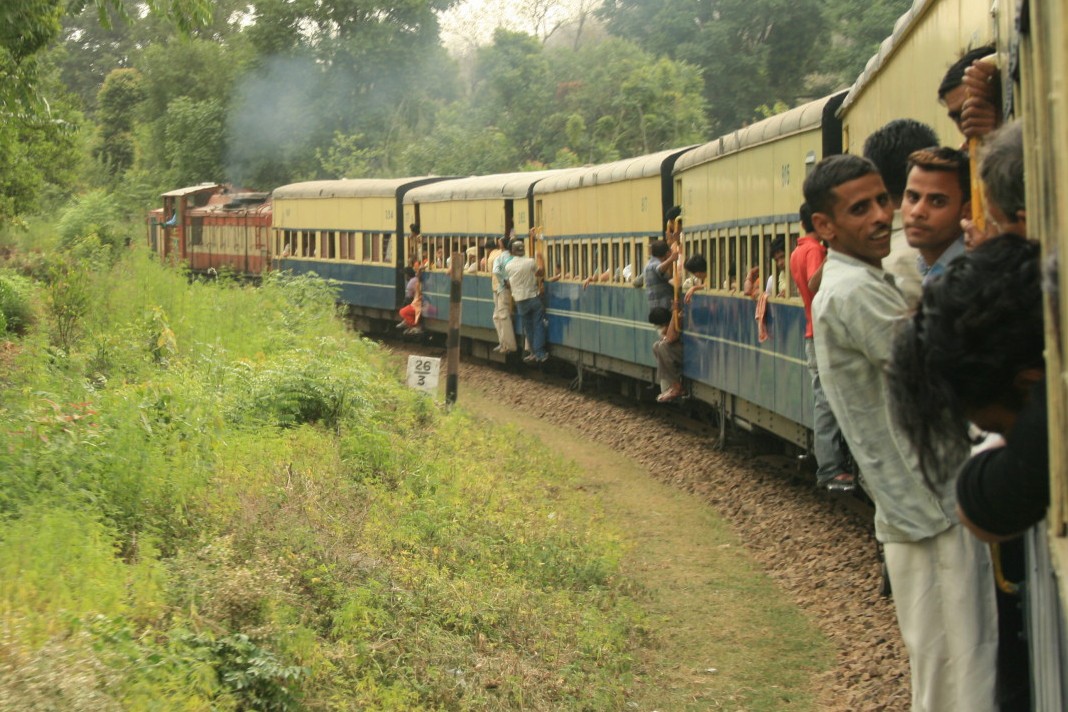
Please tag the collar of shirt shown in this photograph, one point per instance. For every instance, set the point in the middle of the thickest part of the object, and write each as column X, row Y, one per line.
column 955, row 250
column 834, row 255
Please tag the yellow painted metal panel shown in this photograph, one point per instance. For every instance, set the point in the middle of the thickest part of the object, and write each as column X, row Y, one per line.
column 374, row 214
column 906, row 86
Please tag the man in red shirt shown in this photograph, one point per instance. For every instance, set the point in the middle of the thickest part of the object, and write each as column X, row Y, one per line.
column 806, row 267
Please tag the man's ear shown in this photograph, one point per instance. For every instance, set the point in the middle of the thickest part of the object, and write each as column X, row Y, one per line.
column 823, row 225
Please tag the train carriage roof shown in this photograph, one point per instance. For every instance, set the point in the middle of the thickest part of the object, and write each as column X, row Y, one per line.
column 509, row 186
column 902, row 28
column 800, row 118
column 647, row 166
column 189, row 190
column 345, row 188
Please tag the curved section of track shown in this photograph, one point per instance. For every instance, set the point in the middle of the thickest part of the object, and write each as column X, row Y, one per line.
column 819, row 548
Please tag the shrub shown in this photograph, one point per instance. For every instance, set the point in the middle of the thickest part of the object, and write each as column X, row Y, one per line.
column 15, row 306
column 92, row 220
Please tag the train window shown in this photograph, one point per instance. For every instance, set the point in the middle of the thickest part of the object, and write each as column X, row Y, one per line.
column 366, row 254
column 627, row 262
column 328, row 250
column 352, row 246
column 376, row 247
column 639, row 258
column 387, row 247
column 617, row 266
column 197, row 237
column 584, row 264
column 595, row 260
column 744, row 261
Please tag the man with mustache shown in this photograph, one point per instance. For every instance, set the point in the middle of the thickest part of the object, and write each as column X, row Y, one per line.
column 942, row 577
column 937, row 197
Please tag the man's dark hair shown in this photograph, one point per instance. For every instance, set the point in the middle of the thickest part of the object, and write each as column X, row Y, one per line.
column 889, row 148
column 945, row 159
column 830, row 173
column 659, row 249
column 1002, row 169
column 414, row 227
column 954, row 76
column 805, row 214
column 408, row 273
column 977, row 327
column 696, row 264
column 660, row 316
column 777, row 245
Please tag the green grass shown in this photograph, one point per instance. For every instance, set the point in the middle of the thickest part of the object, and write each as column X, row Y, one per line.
column 216, row 497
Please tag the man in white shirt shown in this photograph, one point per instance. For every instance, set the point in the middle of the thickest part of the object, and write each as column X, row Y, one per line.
column 942, row 576
column 521, row 276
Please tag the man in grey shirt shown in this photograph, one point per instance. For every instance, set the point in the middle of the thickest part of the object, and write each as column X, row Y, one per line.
column 941, row 575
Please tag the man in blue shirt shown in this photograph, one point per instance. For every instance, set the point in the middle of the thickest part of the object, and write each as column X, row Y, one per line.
column 937, row 197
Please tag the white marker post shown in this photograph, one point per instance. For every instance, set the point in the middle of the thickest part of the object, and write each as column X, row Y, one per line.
column 423, row 373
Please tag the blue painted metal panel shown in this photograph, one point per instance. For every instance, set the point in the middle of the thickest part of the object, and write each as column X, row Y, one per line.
column 363, row 285
column 436, row 288
column 721, row 349
column 611, row 321
column 477, row 295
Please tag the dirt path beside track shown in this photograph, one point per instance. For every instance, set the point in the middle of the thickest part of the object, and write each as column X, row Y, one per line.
column 819, row 553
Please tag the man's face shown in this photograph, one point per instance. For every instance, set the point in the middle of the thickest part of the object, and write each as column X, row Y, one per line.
column 954, row 100
column 780, row 260
column 932, row 209
column 859, row 225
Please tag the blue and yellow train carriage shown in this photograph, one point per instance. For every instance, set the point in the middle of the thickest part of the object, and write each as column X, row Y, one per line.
column 350, row 231
column 466, row 216
column 597, row 223
column 738, row 194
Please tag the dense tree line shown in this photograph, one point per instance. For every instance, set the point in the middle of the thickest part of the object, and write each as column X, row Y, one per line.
column 99, row 93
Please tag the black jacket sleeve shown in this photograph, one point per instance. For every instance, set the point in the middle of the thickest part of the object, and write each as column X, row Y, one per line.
column 1006, row 490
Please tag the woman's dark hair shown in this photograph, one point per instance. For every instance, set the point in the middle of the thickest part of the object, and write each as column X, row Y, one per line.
column 977, row 327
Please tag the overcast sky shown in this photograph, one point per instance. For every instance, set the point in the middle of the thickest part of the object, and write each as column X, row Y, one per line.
column 472, row 22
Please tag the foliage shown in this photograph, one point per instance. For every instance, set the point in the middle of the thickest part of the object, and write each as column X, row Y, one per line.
column 94, row 219
column 38, row 147
column 218, row 497
column 534, row 107
column 15, row 306
column 194, row 140
column 751, row 52
column 118, row 100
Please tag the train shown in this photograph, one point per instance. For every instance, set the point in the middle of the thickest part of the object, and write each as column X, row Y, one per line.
column 737, row 192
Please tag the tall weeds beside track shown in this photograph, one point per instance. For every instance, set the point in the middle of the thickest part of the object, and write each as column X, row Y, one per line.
column 215, row 497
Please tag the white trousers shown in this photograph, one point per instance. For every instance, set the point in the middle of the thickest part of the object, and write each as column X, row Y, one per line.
column 502, row 319
column 943, row 590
